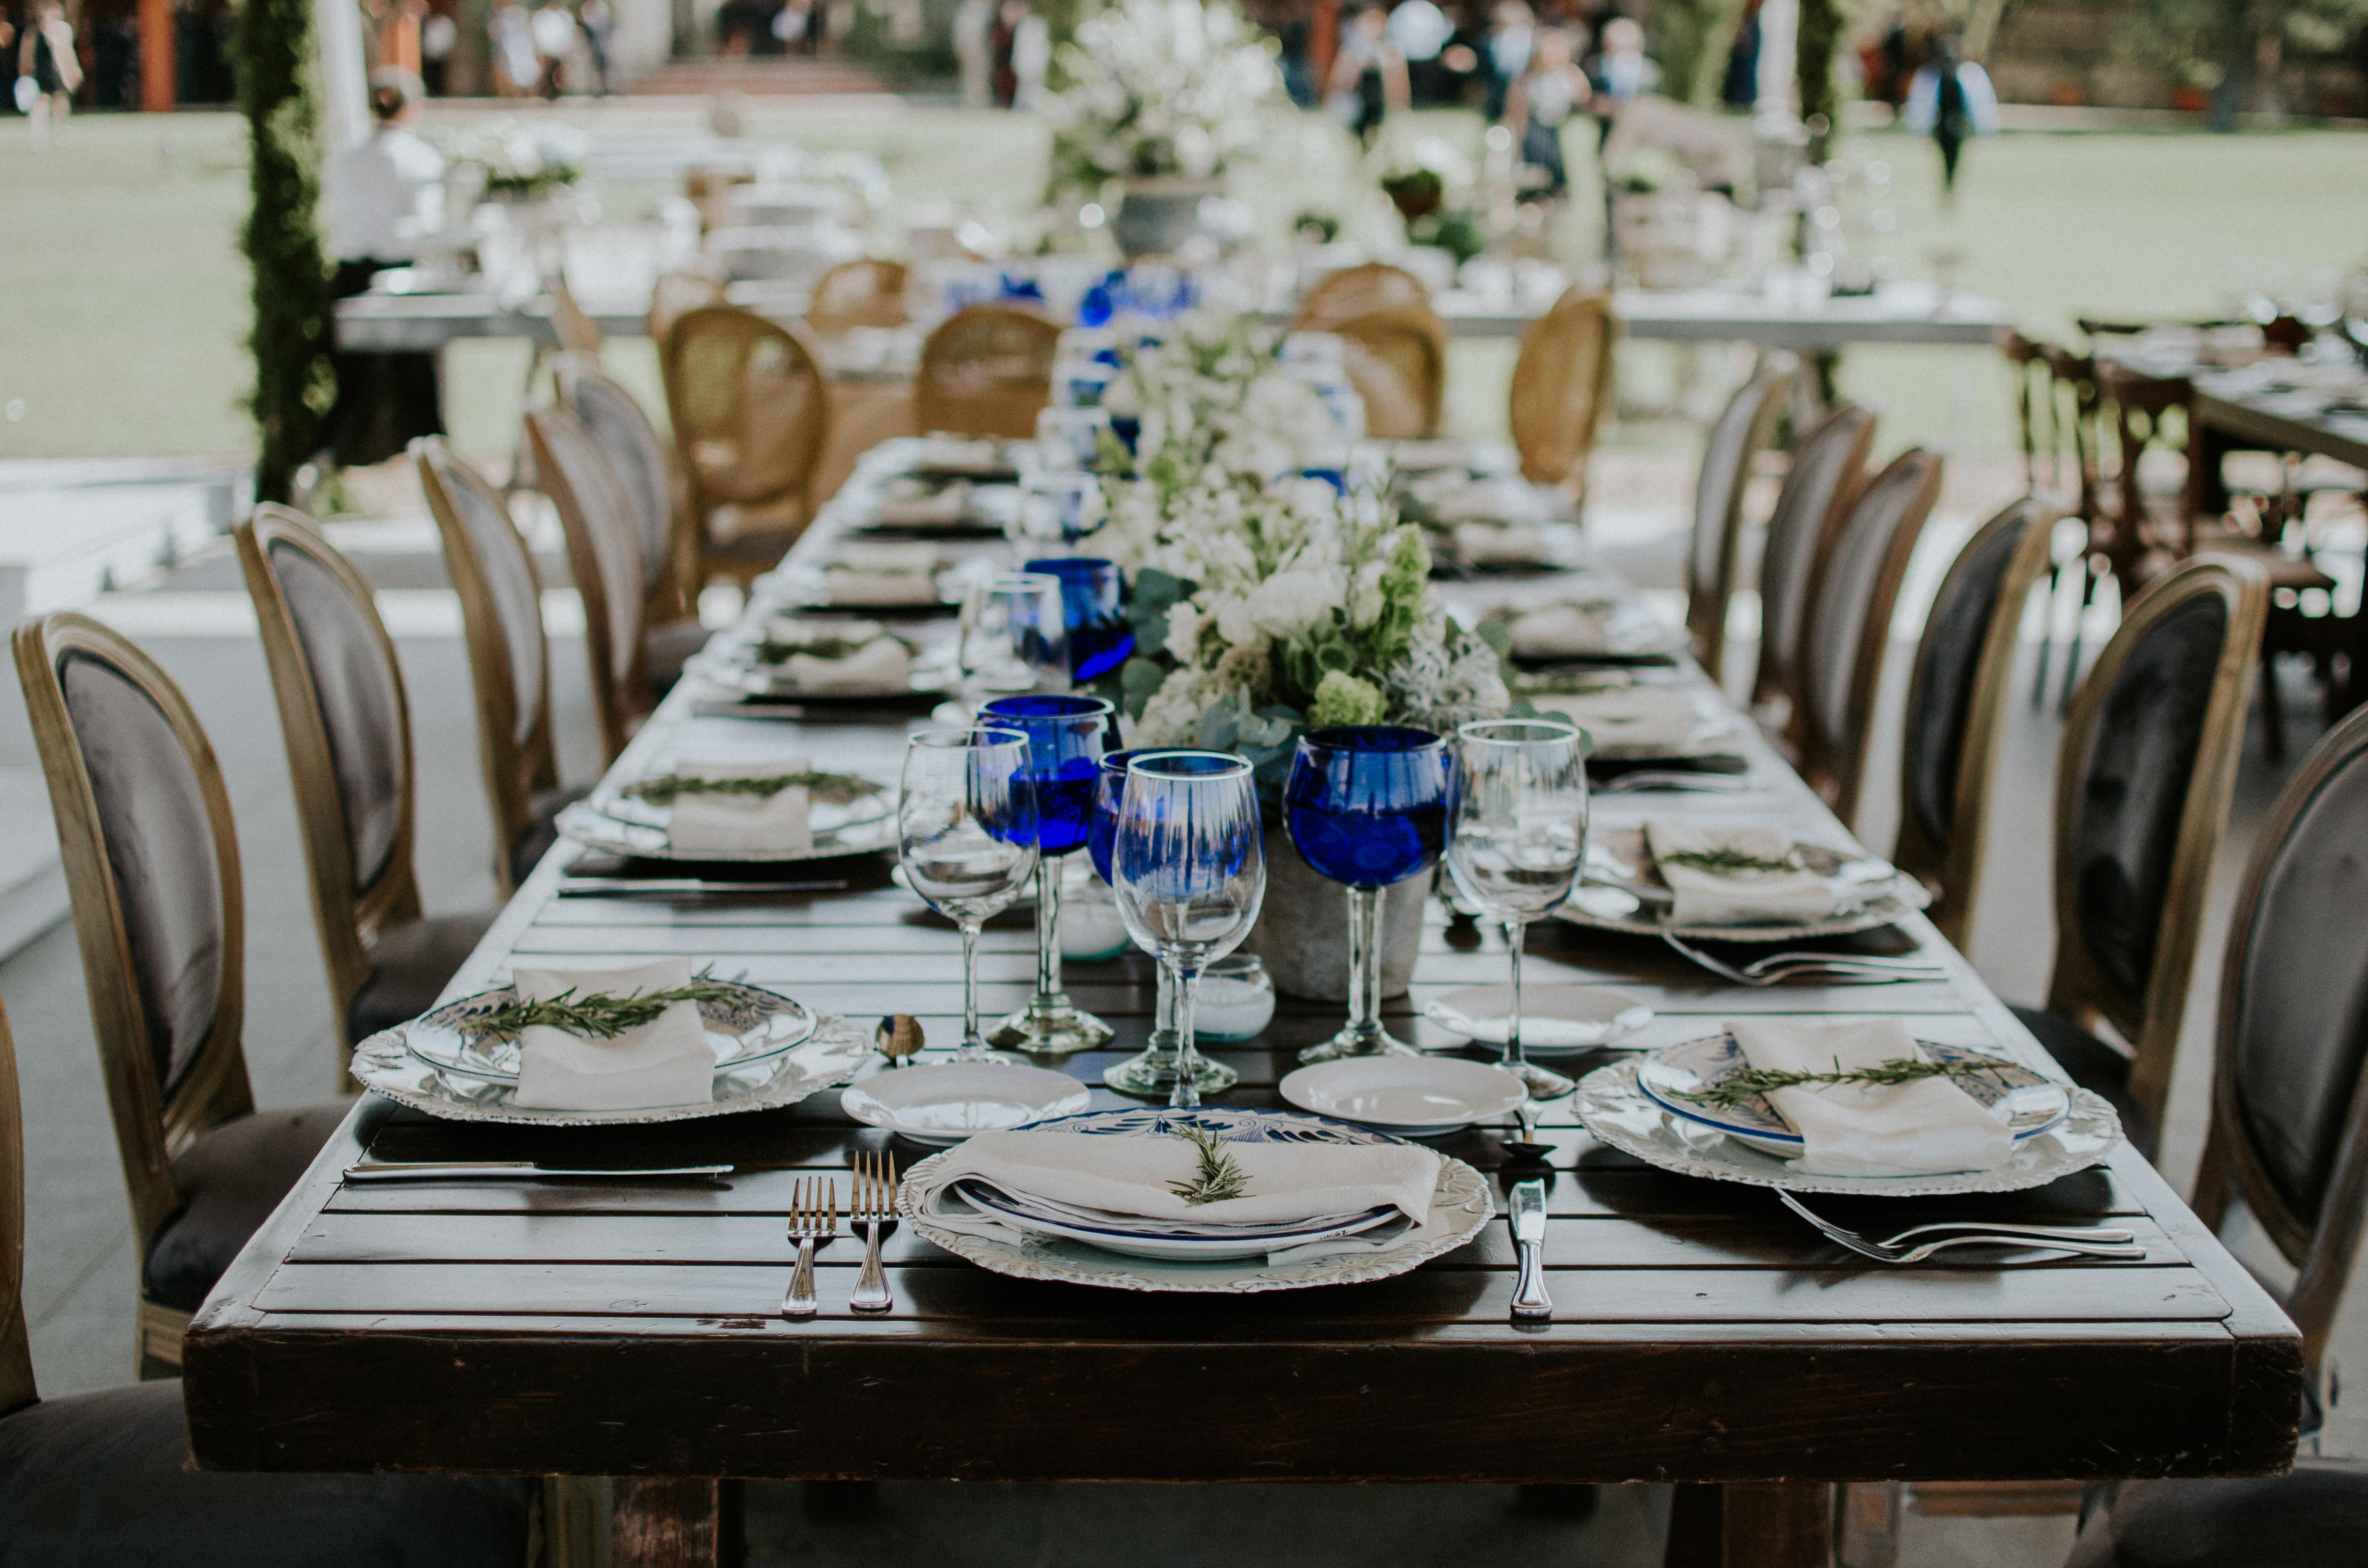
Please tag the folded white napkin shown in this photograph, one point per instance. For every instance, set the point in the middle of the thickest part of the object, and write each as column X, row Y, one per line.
column 1131, row 1176
column 1734, row 897
column 1453, row 498
column 942, row 451
column 851, row 585
column 882, row 665
column 923, row 508
column 1500, row 544
column 1577, row 628
column 792, row 631
column 887, row 555
column 666, row 1062
column 778, row 822
column 1631, row 718
column 1867, row 1129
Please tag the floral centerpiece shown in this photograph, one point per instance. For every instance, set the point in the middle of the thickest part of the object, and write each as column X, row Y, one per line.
column 1208, row 395
column 525, row 161
column 1430, row 184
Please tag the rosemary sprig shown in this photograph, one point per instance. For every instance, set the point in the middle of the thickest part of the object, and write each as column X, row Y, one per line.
column 595, row 1016
column 829, row 788
column 1219, row 1177
column 1737, row 1087
column 1723, row 862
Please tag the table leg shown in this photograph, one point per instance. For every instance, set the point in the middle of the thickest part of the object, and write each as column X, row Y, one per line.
column 1751, row 1525
column 674, row 1522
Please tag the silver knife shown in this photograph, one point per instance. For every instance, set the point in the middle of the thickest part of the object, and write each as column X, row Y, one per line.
column 1530, row 1303
column 680, row 887
column 512, row 1170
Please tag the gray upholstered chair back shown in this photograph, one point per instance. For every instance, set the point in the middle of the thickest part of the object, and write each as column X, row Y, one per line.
column 1735, row 438
column 1828, row 468
column 604, row 551
column 634, row 449
column 1946, row 661
column 358, row 693
column 501, row 562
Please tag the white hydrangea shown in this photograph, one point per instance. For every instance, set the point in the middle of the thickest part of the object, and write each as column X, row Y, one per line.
column 1161, row 88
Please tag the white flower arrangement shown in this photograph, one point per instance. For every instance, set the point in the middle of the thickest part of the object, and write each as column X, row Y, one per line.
column 1160, row 88
column 526, row 160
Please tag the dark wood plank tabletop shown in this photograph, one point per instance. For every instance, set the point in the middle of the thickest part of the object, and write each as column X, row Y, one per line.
column 1700, row 1334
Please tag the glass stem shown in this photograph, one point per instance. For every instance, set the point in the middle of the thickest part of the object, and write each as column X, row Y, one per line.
column 973, row 1047
column 1365, row 962
column 1187, row 1092
column 1515, row 930
column 1163, row 1012
column 1048, row 932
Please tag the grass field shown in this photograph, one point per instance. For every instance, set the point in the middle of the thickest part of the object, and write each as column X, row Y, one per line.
column 125, row 306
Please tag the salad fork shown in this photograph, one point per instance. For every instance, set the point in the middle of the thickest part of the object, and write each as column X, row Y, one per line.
column 872, row 1205
column 814, row 1219
column 1886, row 1253
column 1851, row 968
column 1939, row 1227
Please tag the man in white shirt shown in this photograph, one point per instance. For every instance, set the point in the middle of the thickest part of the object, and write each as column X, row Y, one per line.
column 384, row 196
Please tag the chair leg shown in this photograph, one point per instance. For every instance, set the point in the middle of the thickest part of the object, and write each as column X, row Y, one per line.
column 2046, row 636
column 1866, row 1524
column 2274, row 719
column 2088, row 575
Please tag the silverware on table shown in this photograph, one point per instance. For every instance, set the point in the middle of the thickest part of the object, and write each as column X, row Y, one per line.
column 814, row 1219
column 1661, row 780
column 1526, row 1148
column 1843, row 969
column 1900, row 1255
column 1942, row 1227
column 517, row 1170
column 683, row 887
column 899, row 1036
column 1530, row 1303
column 872, row 1205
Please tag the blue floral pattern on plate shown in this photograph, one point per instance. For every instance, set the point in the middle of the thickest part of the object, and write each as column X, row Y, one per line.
column 2035, row 1104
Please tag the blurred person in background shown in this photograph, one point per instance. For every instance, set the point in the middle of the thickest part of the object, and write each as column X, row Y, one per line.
column 1951, row 100
column 518, row 68
column 600, row 28
column 1505, row 54
column 1551, row 90
column 554, row 45
column 384, row 196
column 1369, row 74
column 1021, row 48
column 973, row 20
column 438, row 34
column 1739, row 88
column 48, row 74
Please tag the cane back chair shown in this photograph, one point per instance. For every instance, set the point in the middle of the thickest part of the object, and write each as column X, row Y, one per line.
column 864, row 293
column 1561, row 384
column 1396, row 359
column 750, row 406
column 985, row 371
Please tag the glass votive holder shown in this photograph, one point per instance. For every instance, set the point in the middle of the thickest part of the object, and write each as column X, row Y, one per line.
column 1091, row 928
column 1236, row 999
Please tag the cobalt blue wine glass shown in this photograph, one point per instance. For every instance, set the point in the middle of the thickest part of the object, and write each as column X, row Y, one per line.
column 1367, row 805
column 1100, row 636
column 966, row 837
column 1067, row 738
column 1152, row 1073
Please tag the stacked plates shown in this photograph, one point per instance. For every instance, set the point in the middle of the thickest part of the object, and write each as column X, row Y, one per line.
column 1556, row 1019
column 1415, row 1096
column 1179, row 1241
column 626, row 824
column 754, row 1025
column 944, row 1103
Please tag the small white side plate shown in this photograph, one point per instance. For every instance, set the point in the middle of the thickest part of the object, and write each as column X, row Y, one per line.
column 943, row 1103
column 1417, row 1097
column 1555, row 1018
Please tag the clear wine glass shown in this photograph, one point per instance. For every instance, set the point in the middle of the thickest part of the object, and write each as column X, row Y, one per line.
column 1191, row 873
column 966, row 837
column 1367, row 805
column 1066, row 737
column 1514, row 847
column 1015, row 636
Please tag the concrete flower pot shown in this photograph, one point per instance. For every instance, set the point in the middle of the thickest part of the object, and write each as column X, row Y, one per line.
column 1156, row 216
column 1302, row 928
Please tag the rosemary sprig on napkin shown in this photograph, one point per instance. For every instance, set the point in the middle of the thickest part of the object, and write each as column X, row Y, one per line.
column 597, row 1016
column 771, row 653
column 1219, row 1177
column 1723, row 862
column 829, row 789
column 1737, row 1087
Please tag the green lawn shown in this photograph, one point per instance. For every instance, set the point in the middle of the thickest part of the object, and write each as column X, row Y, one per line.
column 121, row 332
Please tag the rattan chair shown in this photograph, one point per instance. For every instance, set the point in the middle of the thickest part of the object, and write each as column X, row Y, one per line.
column 985, row 371
column 152, row 867
column 509, row 661
column 1562, row 385
column 1737, row 437
column 347, row 722
column 865, row 292
column 674, row 296
column 1956, row 708
column 750, row 407
column 1850, row 623
column 1396, row 359
column 1356, row 291
column 603, row 556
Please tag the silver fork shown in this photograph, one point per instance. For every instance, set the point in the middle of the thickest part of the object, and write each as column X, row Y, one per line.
column 1899, row 1255
column 872, row 1205
column 814, row 1218
column 1847, row 968
column 1942, row 1226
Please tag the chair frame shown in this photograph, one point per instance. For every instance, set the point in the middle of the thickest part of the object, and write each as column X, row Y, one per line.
column 1419, row 321
column 881, row 268
column 514, row 771
column 348, row 920
column 1954, row 873
column 2079, row 989
column 19, row 1387
column 577, row 332
column 150, row 1128
column 926, row 404
column 816, row 442
column 1594, row 308
column 1771, row 679
column 623, row 698
column 675, row 594
column 1706, row 602
column 1317, row 312
column 2323, row 1253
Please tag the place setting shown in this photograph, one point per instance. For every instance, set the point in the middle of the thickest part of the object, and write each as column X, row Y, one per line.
column 853, row 667
column 768, row 810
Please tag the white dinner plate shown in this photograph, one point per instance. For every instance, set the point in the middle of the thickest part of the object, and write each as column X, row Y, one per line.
column 1556, row 1019
column 1415, row 1097
column 943, row 1103
column 1620, row 889
column 752, row 1025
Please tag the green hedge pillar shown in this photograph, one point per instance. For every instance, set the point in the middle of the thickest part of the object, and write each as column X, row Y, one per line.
column 294, row 384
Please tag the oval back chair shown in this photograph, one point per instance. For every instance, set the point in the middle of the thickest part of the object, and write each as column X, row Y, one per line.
column 985, row 371
column 152, row 867
column 605, row 557
column 864, row 293
column 645, row 464
column 675, row 296
column 750, row 406
column 1850, row 623
column 1398, row 362
column 1738, row 435
column 1356, row 291
column 510, row 660
column 2142, row 788
column 345, row 720
column 1561, row 384
column 577, row 333
column 1956, row 707
column 1829, row 470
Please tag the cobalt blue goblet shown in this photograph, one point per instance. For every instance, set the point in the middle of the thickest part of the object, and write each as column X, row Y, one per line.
column 1066, row 739
column 1368, row 805
column 1100, row 636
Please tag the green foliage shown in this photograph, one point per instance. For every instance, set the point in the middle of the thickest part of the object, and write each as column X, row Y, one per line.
column 1822, row 25
column 1218, row 1177
column 1341, row 699
column 294, row 382
column 1690, row 44
column 1737, row 1087
column 595, row 1015
column 829, row 788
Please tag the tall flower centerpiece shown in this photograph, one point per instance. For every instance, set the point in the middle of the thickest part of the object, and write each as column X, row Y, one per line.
column 1208, row 402
column 1162, row 94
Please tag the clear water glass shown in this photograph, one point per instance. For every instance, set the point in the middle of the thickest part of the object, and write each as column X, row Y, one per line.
column 966, row 837
column 1059, row 505
column 1515, row 846
column 1093, row 601
column 1191, row 874
column 1015, row 636
column 1067, row 736
column 1152, row 1071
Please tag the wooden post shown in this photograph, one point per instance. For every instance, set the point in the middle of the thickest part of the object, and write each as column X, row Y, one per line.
column 674, row 1522
column 158, row 47
column 1750, row 1525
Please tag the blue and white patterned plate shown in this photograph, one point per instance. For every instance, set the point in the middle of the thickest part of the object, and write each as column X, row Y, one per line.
column 2034, row 1103
column 755, row 1025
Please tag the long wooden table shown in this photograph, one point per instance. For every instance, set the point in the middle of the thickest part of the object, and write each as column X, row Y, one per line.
column 1702, row 1335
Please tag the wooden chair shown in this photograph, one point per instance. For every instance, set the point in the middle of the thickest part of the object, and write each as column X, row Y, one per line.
column 577, row 333
column 750, row 407
column 1561, row 384
column 675, row 296
column 1829, row 470
column 152, row 868
column 1738, row 435
column 347, row 723
column 1850, row 623
column 1356, row 291
column 864, row 293
column 2142, row 787
column 605, row 557
column 1956, row 707
column 105, row 1476
column 501, row 611
column 985, row 371
column 1396, row 360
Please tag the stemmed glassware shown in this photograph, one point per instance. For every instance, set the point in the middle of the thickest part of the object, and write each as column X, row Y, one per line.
column 1191, row 873
column 966, row 837
column 1519, row 830
column 1092, row 591
column 1015, row 635
column 1064, row 505
column 1067, row 738
column 1367, row 805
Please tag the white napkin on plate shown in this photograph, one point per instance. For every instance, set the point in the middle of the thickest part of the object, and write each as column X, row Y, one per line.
column 666, row 1062
column 1737, row 897
column 1631, row 718
column 778, row 822
column 1922, row 1127
column 854, row 586
column 1575, row 629
column 882, row 665
column 920, row 507
column 1500, row 544
column 792, row 631
column 943, row 452
column 893, row 555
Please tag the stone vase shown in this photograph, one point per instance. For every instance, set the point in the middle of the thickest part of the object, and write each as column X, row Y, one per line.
column 1302, row 928
column 1157, row 215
